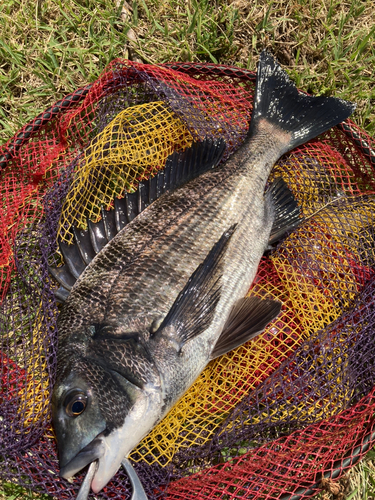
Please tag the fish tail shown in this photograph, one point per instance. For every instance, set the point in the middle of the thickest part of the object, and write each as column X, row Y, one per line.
column 299, row 117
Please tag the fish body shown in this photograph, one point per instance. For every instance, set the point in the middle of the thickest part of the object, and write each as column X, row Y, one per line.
column 165, row 296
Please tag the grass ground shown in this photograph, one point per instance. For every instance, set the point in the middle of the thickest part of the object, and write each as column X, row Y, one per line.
column 48, row 48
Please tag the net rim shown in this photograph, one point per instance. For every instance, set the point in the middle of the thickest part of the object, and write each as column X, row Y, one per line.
column 12, row 146
column 349, row 128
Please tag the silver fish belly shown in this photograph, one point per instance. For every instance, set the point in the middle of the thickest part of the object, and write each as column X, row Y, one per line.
column 166, row 295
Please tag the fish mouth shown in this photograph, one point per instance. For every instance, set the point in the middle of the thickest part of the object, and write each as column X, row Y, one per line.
column 103, row 449
column 109, row 449
column 93, row 451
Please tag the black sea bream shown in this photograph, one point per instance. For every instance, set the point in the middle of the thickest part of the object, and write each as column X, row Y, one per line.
column 166, row 294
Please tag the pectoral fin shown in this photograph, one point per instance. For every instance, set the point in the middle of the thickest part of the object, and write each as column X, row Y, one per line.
column 194, row 307
column 248, row 318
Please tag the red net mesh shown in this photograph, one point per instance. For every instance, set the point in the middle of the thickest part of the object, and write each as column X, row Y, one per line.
column 267, row 420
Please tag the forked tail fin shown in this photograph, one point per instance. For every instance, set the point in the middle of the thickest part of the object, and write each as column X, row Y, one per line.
column 278, row 102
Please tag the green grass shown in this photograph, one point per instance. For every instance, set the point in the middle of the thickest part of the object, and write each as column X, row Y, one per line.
column 363, row 478
column 50, row 51
column 9, row 491
column 49, row 48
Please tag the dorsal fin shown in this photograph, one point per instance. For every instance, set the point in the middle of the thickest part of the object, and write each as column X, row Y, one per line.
column 180, row 168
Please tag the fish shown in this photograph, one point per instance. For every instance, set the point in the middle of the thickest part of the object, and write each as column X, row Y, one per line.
column 167, row 293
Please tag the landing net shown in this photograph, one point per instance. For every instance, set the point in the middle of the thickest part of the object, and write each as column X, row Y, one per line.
column 268, row 420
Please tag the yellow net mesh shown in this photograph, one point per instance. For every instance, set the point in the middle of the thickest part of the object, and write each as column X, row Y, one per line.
column 134, row 146
column 34, row 395
column 316, row 175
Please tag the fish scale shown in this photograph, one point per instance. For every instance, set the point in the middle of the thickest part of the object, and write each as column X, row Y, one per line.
column 166, row 294
column 218, row 200
column 190, row 236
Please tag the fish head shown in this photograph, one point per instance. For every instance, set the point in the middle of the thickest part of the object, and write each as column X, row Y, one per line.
column 77, row 419
column 101, row 410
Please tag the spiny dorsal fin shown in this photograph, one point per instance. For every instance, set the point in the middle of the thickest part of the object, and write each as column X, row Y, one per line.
column 194, row 161
column 194, row 307
column 248, row 318
column 179, row 168
column 286, row 209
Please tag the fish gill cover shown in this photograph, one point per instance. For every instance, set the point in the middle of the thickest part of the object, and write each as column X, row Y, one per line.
column 267, row 420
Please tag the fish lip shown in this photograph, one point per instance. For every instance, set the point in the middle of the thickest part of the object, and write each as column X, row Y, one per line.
column 93, row 451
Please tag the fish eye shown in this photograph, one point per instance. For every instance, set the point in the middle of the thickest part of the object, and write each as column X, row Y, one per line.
column 75, row 403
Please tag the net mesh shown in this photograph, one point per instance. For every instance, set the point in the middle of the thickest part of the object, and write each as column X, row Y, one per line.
column 130, row 148
column 267, row 420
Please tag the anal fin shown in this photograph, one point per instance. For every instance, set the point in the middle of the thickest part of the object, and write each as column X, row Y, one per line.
column 286, row 209
column 248, row 318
